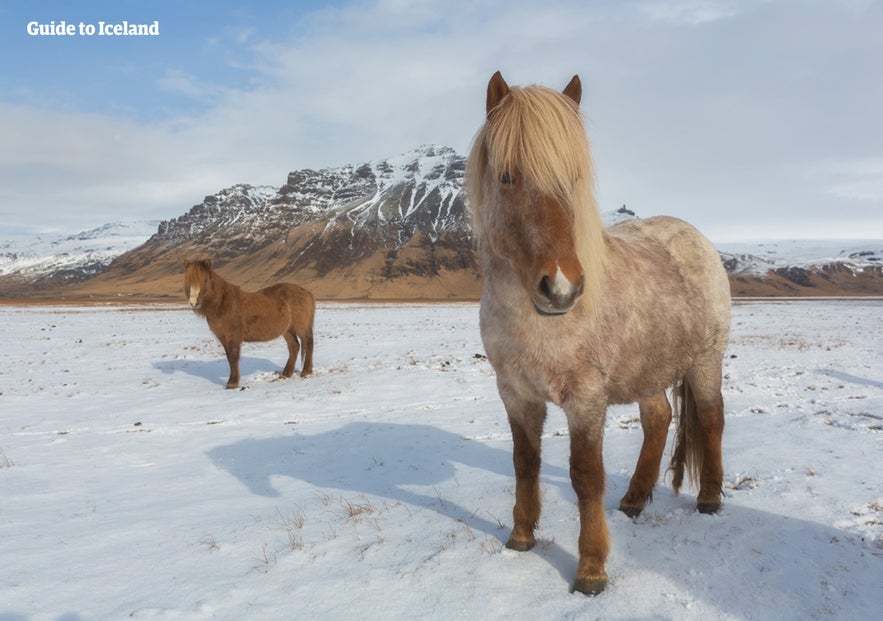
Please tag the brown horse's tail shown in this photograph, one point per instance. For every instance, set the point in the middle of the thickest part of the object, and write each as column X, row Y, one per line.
column 689, row 450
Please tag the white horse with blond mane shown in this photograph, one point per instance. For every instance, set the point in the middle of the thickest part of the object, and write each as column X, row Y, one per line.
column 583, row 316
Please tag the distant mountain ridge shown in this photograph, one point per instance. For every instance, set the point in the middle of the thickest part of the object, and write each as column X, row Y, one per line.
column 391, row 228
column 804, row 267
column 50, row 261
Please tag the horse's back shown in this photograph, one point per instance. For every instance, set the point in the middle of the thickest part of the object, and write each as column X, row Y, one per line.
column 300, row 302
column 696, row 259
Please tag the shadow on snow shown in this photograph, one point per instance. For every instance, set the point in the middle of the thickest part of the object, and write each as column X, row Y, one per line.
column 737, row 560
column 382, row 460
column 217, row 371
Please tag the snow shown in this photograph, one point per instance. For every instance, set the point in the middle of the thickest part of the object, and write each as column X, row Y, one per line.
column 760, row 256
column 424, row 168
column 49, row 253
column 134, row 486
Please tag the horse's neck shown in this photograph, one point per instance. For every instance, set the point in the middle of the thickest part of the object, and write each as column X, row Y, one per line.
column 222, row 291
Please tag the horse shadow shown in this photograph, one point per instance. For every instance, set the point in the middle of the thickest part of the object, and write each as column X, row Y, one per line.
column 741, row 545
column 216, row 371
column 384, row 460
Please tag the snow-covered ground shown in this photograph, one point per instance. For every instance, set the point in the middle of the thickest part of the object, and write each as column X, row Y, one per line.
column 132, row 485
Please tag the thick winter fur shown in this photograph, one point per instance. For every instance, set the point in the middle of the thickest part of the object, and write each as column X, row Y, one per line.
column 585, row 317
column 236, row 316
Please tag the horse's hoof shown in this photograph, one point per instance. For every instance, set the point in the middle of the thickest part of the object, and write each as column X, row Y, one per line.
column 633, row 503
column 631, row 511
column 232, row 386
column 709, row 507
column 520, row 545
column 592, row 585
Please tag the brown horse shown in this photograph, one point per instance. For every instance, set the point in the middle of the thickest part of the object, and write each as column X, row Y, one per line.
column 235, row 316
column 585, row 317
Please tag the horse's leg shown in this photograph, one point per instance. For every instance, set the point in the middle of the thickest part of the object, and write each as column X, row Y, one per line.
column 293, row 349
column 655, row 419
column 704, row 389
column 587, row 477
column 232, row 348
column 307, row 343
column 526, row 421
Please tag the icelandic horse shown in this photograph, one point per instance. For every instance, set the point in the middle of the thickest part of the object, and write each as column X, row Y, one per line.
column 584, row 317
column 235, row 316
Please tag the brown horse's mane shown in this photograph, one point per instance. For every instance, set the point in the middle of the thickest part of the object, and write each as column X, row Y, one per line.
column 539, row 132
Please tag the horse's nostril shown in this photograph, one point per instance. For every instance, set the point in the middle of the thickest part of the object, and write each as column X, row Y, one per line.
column 545, row 287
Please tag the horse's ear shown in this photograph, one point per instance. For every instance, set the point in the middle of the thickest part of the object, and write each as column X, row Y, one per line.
column 497, row 89
column 207, row 264
column 574, row 89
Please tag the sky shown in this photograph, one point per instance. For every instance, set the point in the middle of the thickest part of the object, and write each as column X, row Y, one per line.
column 752, row 119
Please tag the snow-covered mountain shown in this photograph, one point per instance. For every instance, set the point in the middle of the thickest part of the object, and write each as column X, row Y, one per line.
column 792, row 267
column 394, row 228
column 388, row 228
column 418, row 190
column 59, row 259
column 758, row 258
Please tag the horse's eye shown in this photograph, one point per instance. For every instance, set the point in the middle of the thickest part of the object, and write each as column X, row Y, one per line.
column 506, row 179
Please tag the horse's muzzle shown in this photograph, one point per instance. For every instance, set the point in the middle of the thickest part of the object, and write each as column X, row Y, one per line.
column 557, row 296
column 193, row 298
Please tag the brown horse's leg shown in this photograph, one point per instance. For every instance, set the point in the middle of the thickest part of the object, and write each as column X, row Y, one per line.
column 232, row 351
column 307, row 343
column 704, row 405
column 655, row 419
column 293, row 349
column 711, row 425
column 526, row 421
column 587, row 476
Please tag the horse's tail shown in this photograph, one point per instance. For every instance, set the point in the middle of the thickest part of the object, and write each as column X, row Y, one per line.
column 689, row 445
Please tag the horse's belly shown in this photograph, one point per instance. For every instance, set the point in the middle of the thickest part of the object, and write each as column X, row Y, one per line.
column 261, row 328
column 567, row 364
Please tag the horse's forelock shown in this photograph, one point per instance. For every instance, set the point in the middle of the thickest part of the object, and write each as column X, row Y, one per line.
column 196, row 272
column 539, row 133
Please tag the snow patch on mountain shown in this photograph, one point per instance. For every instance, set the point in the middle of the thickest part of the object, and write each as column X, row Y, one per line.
column 89, row 251
column 757, row 258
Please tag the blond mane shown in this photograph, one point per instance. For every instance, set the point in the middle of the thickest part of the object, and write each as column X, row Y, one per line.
column 539, row 132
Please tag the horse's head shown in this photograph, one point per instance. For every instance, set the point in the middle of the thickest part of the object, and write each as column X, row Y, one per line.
column 196, row 281
column 530, row 184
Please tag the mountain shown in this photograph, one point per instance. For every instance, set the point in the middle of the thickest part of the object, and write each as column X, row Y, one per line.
column 396, row 228
column 391, row 228
column 48, row 262
column 804, row 267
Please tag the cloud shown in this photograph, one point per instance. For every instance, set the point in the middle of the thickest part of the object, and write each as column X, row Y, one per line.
column 691, row 12
column 855, row 179
column 713, row 122
column 69, row 170
column 180, row 82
